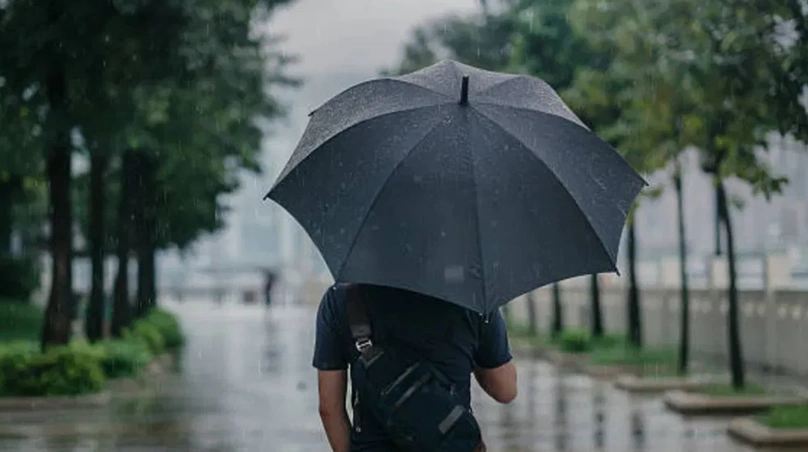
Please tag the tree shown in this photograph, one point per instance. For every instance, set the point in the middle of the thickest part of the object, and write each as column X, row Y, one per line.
column 558, row 312
column 634, row 314
column 200, row 154
column 482, row 39
column 719, row 80
column 532, row 326
column 91, row 70
column 121, row 307
column 746, row 93
column 684, row 290
column 58, row 53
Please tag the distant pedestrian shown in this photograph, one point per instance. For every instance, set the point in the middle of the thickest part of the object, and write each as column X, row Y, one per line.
column 269, row 281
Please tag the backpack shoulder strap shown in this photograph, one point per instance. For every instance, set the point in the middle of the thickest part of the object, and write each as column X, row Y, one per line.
column 358, row 320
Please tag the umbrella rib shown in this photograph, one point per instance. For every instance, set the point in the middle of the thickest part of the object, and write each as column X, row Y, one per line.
column 512, row 107
column 560, row 181
column 502, row 82
column 444, row 95
column 378, row 193
column 479, row 235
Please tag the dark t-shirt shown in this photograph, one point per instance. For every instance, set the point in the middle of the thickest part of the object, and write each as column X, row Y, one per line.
column 452, row 338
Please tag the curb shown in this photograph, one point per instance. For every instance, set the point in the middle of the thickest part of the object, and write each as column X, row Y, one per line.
column 54, row 403
column 695, row 404
column 638, row 385
column 750, row 431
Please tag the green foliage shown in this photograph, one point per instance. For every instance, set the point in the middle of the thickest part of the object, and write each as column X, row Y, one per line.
column 159, row 331
column 709, row 77
column 122, row 358
column 19, row 277
column 610, row 340
column 787, row 417
column 546, row 45
column 147, row 334
column 168, row 326
column 575, row 341
column 482, row 39
column 74, row 369
column 201, row 119
column 19, row 320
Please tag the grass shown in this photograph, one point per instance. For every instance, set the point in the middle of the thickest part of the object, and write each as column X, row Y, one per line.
column 786, row 417
column 571, row 340
column 19, row 321
column 609, row 340
column 726, row 390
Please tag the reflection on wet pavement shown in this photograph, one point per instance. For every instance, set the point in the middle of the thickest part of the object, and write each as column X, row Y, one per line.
column 247, row 385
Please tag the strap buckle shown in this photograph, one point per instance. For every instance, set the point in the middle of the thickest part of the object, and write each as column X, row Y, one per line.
column 363, row 344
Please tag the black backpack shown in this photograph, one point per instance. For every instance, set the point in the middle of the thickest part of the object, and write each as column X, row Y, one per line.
column 410, row 398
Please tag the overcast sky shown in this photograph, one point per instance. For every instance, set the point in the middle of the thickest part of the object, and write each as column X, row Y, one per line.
column 341, row 43
column 355, row 36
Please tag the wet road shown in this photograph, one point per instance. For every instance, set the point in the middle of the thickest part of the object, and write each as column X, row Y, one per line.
column 247, row 385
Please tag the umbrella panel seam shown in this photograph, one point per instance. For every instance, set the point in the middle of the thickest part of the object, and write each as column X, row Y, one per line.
column 588, row 220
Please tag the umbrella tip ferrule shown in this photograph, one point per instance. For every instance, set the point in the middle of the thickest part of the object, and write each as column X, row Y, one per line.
column 464, row 91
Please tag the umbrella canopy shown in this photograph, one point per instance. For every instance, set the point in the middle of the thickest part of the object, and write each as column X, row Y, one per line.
column 464, row 184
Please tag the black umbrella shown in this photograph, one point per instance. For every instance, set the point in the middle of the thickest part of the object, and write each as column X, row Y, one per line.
column 464, row 184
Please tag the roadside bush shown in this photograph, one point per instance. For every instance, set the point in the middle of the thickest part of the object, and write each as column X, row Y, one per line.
column 148, row 334
column 61, row 371
column 122, row 359
column 168, row 326
column 575, row 341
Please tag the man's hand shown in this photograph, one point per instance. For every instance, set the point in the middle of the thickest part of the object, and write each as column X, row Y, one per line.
column 499, row 382
column 332, row 386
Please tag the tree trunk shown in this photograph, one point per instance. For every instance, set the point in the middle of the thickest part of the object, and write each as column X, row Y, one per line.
column 60, row 310
column 634, row 315
column 145, row 231
column 532, row 327
column 122, row 308
column 151, row 237
column 736, row 364
column 597, row 314
column 558, row 312
column 717, row 223
column 684, row 340
column 94, row 323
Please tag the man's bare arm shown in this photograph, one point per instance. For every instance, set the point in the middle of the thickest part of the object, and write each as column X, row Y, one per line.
column 499, row 382
column 332, row 386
